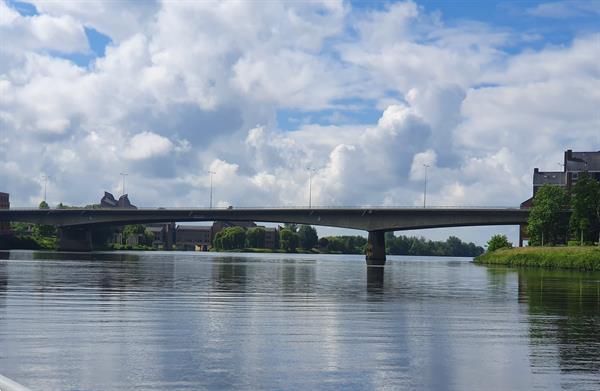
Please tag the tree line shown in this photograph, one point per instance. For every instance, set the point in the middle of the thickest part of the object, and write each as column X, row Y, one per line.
column 292, row 238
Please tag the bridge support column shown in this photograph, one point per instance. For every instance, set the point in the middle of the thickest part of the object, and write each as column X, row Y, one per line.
column 74, row 239
column 375, row 252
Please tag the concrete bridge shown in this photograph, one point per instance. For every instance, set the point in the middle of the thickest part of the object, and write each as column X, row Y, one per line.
column 75, row 235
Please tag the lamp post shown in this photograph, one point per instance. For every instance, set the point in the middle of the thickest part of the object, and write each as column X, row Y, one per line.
column 310, row 172
column 425, row 188
column 45, row 178
column 123, row 175
column 211, row 173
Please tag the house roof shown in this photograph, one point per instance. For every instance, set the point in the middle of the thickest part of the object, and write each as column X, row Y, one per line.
column 541, row 178
column 193, row 228
column 583, row 161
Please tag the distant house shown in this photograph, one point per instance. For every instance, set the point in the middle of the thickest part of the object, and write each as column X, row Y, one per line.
column 193, row 237
column 574, row 164
column 4, row 204
column 109, row 201
column 271, row 238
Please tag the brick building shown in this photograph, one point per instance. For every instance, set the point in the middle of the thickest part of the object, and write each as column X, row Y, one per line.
column 193, row 237
column 4, row 204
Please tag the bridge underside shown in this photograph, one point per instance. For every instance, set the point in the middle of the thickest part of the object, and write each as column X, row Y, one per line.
column 75, row 224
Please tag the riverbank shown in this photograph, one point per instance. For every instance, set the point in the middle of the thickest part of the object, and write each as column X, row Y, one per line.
column 578, row 258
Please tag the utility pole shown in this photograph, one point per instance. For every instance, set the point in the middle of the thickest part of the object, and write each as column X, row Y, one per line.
column 425, row 189
column 45, row 178
column 123, row 175
column 211, row 173
column 310, row 172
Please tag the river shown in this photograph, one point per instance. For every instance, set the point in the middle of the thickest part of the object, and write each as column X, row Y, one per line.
column 174, row 320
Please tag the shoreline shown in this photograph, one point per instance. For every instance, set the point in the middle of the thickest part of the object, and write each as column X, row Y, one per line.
column 586, row 258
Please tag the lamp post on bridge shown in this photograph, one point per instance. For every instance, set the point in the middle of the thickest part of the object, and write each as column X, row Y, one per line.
column 425, row 188
column 123, row 175
column 211, row 173
column 45, row 178
column 310, row 172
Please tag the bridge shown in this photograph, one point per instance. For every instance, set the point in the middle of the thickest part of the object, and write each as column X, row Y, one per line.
column 75, row 224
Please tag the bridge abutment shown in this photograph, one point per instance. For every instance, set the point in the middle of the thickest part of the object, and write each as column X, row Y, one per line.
column 74, row 239
column 375, row 251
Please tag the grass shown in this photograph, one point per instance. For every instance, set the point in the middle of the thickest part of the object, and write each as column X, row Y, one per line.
column 578, row 258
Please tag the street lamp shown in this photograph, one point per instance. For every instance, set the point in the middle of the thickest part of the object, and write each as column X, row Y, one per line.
column 211, row 187
column 310, row 172
column 123, row 175
column 45, row 178
column 425, row 189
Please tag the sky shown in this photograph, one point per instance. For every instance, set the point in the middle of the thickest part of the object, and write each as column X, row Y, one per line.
column 361, row 94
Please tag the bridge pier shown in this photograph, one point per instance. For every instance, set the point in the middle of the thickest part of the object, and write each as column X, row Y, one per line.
column 375, row 251
column 74, row 239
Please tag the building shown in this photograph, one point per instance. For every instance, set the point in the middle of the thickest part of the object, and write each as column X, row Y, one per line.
column 271, row 238
column 573, row 165
column 193, row 237
column 4, row 204
column 109, row 201
column 164, row 235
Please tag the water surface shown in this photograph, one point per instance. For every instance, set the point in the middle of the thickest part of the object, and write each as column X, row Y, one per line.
column 157, row 321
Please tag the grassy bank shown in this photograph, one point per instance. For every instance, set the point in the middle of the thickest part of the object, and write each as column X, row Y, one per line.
column 579, row 258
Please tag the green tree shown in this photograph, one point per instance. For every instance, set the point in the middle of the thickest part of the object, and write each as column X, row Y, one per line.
column 585, row 205
column 498, row 241
column 288, row 240
column 133, row 230
column 307, row 236
column 291, row 226
column 230, row 238
column 255, row 237
column 44, row 205
column 547, row 223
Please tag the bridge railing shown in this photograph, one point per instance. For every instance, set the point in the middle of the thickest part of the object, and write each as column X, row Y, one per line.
column 285, row 207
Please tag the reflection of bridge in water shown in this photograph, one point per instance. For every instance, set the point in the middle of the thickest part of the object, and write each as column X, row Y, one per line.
column 75, row 224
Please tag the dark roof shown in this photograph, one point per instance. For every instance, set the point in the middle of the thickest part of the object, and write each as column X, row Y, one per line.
column 583, row 161
column 194, row 227
column 541, row 178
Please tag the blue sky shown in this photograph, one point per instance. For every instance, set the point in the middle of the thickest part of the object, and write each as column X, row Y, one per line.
column 365, row 92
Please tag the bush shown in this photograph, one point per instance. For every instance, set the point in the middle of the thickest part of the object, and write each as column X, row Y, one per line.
column 497, row 242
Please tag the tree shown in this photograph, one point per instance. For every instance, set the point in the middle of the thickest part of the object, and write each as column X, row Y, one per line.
column 307, row 236
column 323, row 243
column 547, row 223
column 44, row 205
column 498, row 241
column 585, row 205
column 288, row 240
column 230, row 238
column 291, row 226
column 255, row 237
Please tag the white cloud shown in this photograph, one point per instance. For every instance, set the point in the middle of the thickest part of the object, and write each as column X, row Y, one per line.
column 566, row 9
column 146, row 145
column 62, row 33
column 200, row 76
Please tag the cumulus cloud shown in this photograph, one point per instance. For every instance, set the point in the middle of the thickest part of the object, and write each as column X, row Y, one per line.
column 146, row 145
column 61, row 33
column 183, row 85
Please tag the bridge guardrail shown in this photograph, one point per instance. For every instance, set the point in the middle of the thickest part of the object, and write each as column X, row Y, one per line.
column 363, row 207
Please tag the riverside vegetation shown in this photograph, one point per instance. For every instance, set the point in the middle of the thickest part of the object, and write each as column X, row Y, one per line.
column 562, row 228
column 292, row 238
